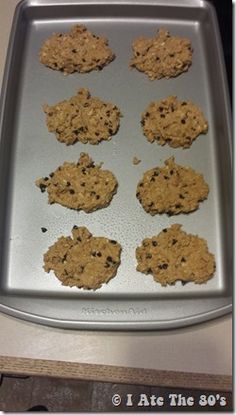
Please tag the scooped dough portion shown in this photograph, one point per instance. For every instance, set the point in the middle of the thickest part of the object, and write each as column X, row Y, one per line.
column 82, row 118
column 81, row 186
column 173, row 255
column 83, row 260
column 76, row 51
column 171, row 189
column 177, row 123
column 163, row 56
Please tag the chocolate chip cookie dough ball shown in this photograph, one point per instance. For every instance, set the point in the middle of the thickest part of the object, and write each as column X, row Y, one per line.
column 163, row 56
column 173, row 255
column 82, row 118
column 76, row 51
column 171, row 189
column 177, row 123
column 83, row 260
column 81, row 186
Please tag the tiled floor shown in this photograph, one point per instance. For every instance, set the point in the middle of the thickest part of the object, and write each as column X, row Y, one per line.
column 63, row 395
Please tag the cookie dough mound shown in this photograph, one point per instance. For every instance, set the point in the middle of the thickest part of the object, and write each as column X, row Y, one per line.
column 82, row 118
column 83, row 261
column 162, row 56
column 175, row 255
column 81, row 186
column 175, row 122
column 76, row 51
column 171, row 189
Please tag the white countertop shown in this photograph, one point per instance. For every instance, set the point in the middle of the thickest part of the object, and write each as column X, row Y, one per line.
column 204, row 348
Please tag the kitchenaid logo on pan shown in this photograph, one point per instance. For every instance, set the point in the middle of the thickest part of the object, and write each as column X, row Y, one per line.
column 114, row 311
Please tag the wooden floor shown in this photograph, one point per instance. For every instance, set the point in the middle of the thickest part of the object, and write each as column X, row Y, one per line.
column 18, row 394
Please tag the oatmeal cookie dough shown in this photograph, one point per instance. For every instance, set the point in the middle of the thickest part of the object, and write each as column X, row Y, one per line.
column 81, row 186
column 83, row 261
column 76, row 51
column 177, row 123
column 174, row 255
column 163, row 56
column 171, row 189
column 82, row 118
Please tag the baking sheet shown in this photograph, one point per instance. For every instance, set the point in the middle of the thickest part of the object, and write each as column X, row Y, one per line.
column 28, row 151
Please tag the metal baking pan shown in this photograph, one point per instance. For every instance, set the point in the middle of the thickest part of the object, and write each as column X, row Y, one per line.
column 28, row 151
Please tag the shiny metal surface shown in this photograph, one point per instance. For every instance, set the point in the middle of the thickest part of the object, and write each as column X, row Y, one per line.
column 28, row 151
